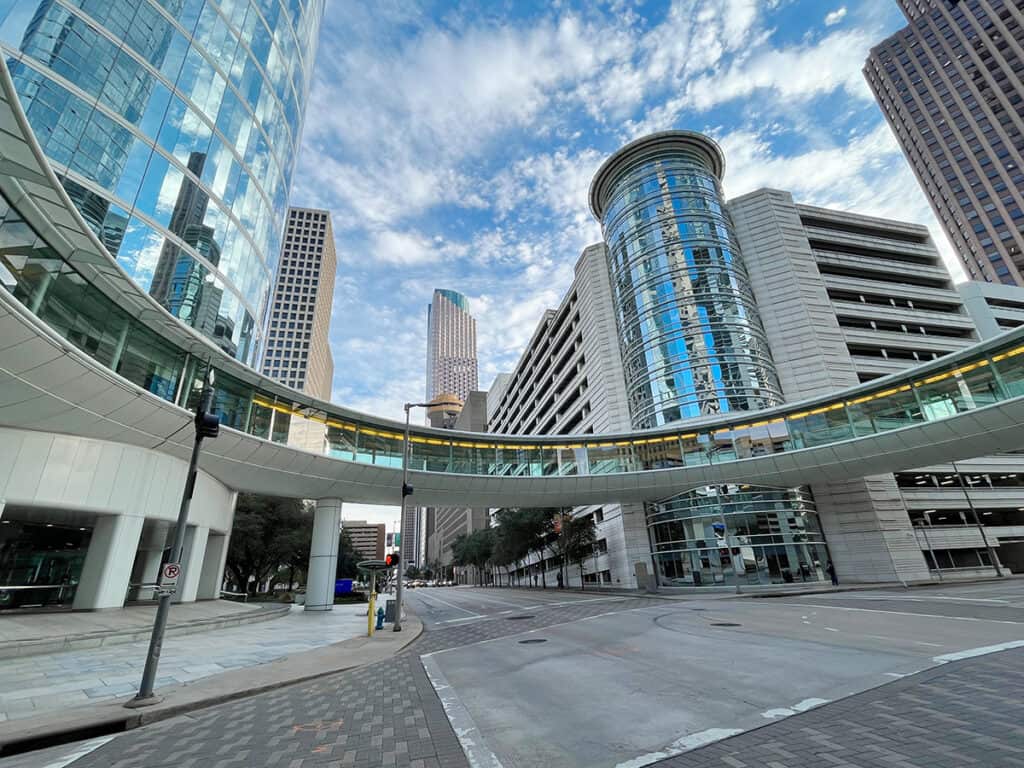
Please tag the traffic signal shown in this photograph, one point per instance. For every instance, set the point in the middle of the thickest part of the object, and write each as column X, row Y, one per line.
column 207, row 424
column 392, row 560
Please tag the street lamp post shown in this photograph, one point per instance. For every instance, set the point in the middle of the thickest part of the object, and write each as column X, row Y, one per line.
column 406, row 492
column 207, row 425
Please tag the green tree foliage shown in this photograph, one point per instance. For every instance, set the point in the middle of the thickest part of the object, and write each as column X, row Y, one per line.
column 578, row 537
column 348, row 557
column 268, row 533
column 474, row 549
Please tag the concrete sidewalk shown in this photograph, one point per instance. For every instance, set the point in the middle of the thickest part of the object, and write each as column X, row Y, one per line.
column 28, row 634
column 108, row 715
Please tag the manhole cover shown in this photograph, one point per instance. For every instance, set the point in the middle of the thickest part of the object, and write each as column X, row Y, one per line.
column 725, row 624
column 517, row 618
column 533, row 641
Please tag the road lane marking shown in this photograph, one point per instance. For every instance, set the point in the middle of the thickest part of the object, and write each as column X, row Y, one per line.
column 905, row 613
column 477, row 752
column 684, row 744
column 86, row 748
column 800, row 706
column 984, row 650
column 450, row 605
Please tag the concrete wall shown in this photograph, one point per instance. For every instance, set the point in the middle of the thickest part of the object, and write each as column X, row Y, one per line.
column 116, row 489
column 866, row 525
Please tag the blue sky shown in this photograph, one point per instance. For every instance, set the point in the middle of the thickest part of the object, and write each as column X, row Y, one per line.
column 454, row 144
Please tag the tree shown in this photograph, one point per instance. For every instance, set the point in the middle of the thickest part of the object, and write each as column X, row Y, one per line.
column 474, row 549
column 578, row 537
column 268, row 532
column 348, row 557
column 412, row 572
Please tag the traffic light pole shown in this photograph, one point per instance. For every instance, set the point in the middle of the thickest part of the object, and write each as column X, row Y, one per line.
column 406, row 492
column 204, row 427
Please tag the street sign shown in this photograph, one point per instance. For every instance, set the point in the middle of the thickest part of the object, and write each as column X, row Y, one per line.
column 398, row 539
column 169, row 575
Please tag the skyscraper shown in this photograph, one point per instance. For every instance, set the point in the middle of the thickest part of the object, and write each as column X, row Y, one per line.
column 174, row 127
column 298, row 351
column 949, row 84
column 692, row 344
column 451, row 346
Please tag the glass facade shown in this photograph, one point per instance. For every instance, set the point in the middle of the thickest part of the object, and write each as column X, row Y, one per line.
column 738, row 535
column 174, row 127
column 692, row 345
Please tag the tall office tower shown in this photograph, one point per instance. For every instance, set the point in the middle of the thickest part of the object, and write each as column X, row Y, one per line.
column 451, row 346
column 693, row 345
column 949, row 84
column 847, row 298
column 174, row 127
column 443, row 524
column 298, row 350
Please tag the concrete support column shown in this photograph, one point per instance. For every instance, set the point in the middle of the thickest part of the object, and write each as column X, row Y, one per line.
column 191, row 563
column 323, row 555
column 213, row 566
column 147, row 563
column 108, row 563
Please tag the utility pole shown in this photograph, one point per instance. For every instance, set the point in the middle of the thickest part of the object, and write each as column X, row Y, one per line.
column 207, row 425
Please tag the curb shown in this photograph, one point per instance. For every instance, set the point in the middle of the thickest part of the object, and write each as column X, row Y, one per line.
column 73, row 724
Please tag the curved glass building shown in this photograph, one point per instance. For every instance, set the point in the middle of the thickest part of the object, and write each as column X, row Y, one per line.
column 174, row 126
column 693, row 345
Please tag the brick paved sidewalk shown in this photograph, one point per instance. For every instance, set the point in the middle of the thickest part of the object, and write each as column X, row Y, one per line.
column 965, row 713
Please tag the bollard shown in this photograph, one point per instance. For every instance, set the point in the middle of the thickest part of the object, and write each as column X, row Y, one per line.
column 380, row 618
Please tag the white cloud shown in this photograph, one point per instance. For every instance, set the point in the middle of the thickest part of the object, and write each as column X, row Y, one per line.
column 834, row 17
column 791, row 74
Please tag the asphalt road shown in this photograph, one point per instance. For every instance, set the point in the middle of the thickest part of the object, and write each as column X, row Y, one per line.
column 628, row 687
column 439, row 607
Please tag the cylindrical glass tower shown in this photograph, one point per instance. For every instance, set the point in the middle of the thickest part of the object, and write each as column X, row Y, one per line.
column 174, row 127
column 692, row 345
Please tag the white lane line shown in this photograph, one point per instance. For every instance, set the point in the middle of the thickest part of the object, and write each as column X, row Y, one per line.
column 800, row 706
column 489, row 599
column 477, row 752
column 450, row 605
column 84, row 749
column 684, row 744
column 453, row 621
column 831, row 629
column 922, row 642
column 905, row 613
column 907, row 598
column 982, row 651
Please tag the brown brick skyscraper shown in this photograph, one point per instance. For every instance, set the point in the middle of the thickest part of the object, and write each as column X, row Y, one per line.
column 949, row 84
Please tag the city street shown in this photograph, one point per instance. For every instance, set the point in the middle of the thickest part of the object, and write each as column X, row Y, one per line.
column 623, row 681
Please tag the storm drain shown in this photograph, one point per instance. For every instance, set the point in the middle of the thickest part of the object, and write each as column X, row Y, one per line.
column 517, row 618
column 725, row 624
column 698, row 609
column 533, row 641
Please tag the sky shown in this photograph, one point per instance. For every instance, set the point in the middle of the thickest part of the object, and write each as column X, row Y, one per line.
column 454, row 144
